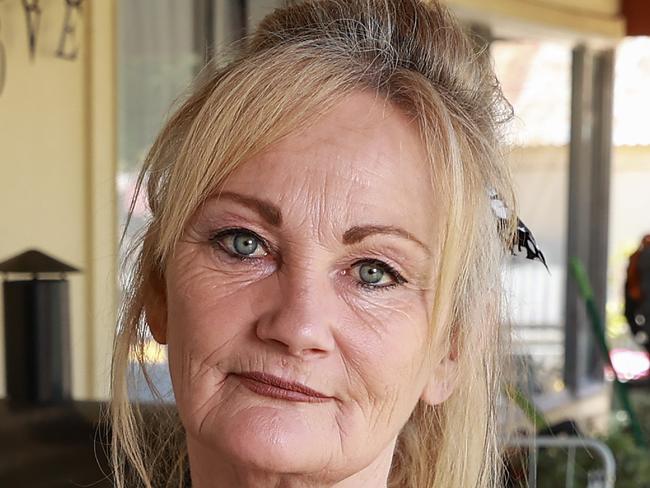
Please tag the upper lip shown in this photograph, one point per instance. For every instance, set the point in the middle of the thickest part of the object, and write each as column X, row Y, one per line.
column 271, row 380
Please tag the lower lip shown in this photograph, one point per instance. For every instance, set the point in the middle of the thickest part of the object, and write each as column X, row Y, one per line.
column 271, row 391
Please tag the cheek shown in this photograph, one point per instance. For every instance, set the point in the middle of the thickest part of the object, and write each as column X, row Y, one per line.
column 204, row 297
column 200, row 308
column 393, row 322
column 209, row 315
column 384, row 348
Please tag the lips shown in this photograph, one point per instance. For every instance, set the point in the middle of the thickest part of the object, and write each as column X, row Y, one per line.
column 271, row 386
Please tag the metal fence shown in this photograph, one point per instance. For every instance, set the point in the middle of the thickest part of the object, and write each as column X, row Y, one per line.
column 606, row 476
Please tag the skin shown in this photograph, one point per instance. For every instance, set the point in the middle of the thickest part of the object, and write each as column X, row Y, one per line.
column 297, row 308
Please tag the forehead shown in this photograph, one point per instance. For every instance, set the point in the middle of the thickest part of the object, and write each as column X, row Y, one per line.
column 361, row 161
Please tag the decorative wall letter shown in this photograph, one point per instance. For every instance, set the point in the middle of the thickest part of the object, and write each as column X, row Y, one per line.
column 67, row 42
column 33, row 15
column 3, row 66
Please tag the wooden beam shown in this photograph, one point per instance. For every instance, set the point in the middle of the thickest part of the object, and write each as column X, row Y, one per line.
column 572, row 20
column 588, row 211
column 101, row 197
column 637, row 16
column 609, row 8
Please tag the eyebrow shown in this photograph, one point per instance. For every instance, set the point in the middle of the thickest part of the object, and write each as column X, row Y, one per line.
column 360, row 232
column 273, row 215
column 268, row 211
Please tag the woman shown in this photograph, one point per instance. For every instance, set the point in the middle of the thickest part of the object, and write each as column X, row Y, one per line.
column 323, row 261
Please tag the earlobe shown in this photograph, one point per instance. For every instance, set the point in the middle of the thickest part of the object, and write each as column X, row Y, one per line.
column 442, row 383
column 155, row 310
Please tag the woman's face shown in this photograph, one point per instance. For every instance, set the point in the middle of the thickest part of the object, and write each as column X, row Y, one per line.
column 299, row 299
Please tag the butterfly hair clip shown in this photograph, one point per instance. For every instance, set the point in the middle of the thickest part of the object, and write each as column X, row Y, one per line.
column 524, row 241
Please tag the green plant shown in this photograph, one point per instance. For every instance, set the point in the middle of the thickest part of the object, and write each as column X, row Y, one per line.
column 632, row 462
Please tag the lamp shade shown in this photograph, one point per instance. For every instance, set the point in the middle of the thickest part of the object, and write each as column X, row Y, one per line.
column 34, row 261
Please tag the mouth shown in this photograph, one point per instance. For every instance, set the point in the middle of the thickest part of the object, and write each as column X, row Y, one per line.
column 273, row 387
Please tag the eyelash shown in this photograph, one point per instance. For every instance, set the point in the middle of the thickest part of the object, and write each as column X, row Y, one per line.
column 232, row 231
column 395, row 275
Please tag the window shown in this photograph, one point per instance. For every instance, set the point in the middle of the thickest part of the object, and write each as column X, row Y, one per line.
column 536, row 79
column 162, row 46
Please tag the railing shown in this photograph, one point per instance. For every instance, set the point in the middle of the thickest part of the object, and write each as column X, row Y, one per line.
column 571, row 444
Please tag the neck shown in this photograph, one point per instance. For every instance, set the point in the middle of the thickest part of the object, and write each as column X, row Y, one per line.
column 210, row 469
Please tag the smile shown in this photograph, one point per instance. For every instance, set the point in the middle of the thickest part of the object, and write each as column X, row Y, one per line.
column 273, row 387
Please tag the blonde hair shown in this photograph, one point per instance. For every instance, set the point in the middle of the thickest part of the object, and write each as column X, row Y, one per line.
column 300, row 62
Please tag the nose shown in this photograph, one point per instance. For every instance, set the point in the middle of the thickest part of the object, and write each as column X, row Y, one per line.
column 301, row 317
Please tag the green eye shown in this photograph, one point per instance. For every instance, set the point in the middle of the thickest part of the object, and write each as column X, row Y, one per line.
column 371, row 273
column 245, row 244
column 375, row 274
column 240, row 243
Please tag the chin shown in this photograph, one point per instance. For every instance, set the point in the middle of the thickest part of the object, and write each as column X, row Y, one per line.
column 277, row 440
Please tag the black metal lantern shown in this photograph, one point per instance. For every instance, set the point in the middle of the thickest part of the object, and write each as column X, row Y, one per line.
column 37, row 329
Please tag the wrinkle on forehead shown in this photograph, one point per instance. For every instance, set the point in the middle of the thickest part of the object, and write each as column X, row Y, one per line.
column 363, row 162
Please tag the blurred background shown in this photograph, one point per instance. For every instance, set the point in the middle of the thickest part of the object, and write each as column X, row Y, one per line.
column 86, row 84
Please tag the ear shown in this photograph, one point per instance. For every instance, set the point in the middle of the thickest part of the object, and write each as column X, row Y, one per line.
column 155, row 311
column 442, row 382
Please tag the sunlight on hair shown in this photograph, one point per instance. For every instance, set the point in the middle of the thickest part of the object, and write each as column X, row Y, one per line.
column 150, row 353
